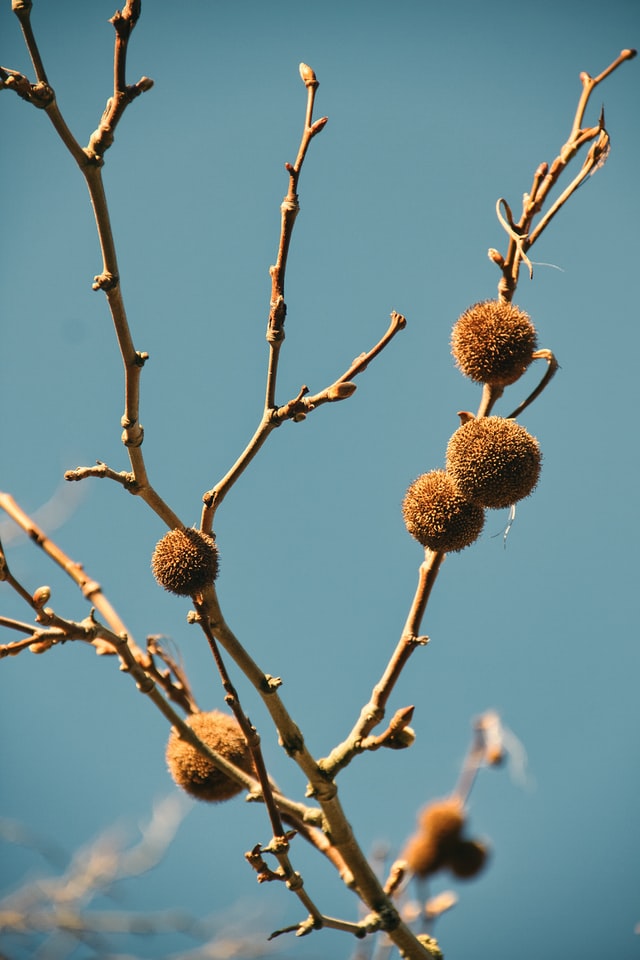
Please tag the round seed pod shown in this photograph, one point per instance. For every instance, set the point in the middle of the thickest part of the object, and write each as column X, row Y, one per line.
column 195, row 773
column 443, row 820
column 493, row 462
column 185, row 561
column 493, row 342
column 467, row 859
column 438, row 516
column 439, row 827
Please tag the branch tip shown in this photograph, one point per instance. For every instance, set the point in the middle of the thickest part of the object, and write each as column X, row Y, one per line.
column 307, row 75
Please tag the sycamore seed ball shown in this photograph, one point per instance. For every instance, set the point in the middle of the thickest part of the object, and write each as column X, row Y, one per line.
column 195, row 773
column 493, row 462
column 438, row 516
column 185, row 561
column 440, row 825
column 467, row 859
column 493, row 342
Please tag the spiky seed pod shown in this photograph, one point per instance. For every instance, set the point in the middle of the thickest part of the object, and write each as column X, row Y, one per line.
column 493, row 462
column 438, row 516
column 185, row 561
column 467, row 859
column 440, row 824
column 493, row 342
column 194, row 772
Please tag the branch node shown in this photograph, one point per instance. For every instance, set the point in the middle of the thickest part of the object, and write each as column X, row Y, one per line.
column 135, row 439
column 105, row 281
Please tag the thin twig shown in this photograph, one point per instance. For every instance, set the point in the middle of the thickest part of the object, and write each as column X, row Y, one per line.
column 289, row 210
column 320, row 787
column 295, row 409
column 249, row 731
column 22, row 9
column 90, row 161
column 173, row 680
column 521, row 234
column 373, row 711
column 90, row 629
column 552, row 368
column 91, row 589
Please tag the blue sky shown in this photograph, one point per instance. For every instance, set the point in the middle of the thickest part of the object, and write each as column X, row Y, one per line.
column 435, row 111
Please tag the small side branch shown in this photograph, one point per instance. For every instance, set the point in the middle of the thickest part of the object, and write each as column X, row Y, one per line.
column 123, row 22
column 522, row 234
column 289, row 210
column 373, row 712
column 343, row 387
column 91, row 589
column 552, row 368
column 102, row 471
column 90, row 161
column 295, row 409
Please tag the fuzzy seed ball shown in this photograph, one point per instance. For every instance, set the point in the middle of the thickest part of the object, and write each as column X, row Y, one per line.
column 443, row 820
column 194, row 772
column 185, row 561
column 438, row 516
column 467, row 859
column 493, row 462
column 439, row 827
column 493, row 342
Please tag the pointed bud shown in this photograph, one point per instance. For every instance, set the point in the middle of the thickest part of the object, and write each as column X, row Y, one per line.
column 340, row 391
column 465, row 416
column 308, row 76
column 41, row 596
column 318, row 125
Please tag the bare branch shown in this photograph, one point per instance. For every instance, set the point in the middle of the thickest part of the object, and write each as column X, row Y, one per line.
column 522, row 235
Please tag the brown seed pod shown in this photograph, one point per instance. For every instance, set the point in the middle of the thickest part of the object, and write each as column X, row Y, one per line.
column 185, row 561
column 467, row 859
column 440, row 824
column 438, row 516
column 194, row 772
column 493, row 462
column 493, row 342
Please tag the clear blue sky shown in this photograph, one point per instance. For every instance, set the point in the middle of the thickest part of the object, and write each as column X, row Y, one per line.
column 435, row 110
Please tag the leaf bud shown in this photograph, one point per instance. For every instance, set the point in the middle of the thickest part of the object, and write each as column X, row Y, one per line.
column 341, row 391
